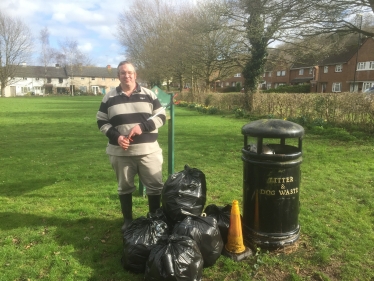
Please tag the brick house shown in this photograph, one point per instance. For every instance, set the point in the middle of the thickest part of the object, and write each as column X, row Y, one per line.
column 302, row 73
column 349, row 71
column 278, row 76
column 337, row 73
column 234, row 81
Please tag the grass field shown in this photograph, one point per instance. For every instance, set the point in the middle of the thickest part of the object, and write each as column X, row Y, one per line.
column 60, row 216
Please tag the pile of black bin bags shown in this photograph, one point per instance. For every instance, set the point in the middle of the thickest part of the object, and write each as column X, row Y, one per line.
column 179, row 239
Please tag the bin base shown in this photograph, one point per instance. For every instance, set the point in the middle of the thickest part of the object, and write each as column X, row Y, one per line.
column 271, row 241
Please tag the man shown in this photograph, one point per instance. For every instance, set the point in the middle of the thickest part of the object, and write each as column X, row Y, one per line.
column 124, row 117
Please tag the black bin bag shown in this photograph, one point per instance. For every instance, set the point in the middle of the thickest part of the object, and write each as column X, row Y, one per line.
column 222, row 215
column 175, row 258
column 138, row 240
column 184, row 193
column 205, row 231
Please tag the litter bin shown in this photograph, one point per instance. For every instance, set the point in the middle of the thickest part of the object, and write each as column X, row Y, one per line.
column 271, row 183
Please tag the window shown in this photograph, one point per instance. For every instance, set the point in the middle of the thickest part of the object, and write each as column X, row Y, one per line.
column 268, row 86
column 338, row 68
column 82, row 78
column 311, row 70
column 301, row 71
column 336, row 87
column 24, row 78
column 113, row 79
column 49, row 80
column 367, row 65
column 60, row 80
column 227, row 84
column 360, row 66
column 325, row 69
column 269, row 75
column 367, row 85
column 83, row 89
column 25, row 89
column 238, row 75
column 281, row 73
column 233, row 84
column 93, row 78
column 37, row 79
column 103, row 79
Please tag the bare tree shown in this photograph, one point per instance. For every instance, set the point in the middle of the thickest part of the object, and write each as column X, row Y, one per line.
column 47, row 53
column 216, row 47
column 70, row 57
column 341, row 16
column 144, row 32
column 15, row 48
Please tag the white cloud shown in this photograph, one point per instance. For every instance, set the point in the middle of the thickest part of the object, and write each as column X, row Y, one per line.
column 87, row 47
column 92, row 23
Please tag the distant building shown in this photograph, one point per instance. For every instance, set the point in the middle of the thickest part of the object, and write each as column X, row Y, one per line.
column 40, row 80
column 349, row 71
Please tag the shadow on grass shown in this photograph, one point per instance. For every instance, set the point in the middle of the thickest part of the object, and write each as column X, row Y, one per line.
column 20, row 188
column 97, row 243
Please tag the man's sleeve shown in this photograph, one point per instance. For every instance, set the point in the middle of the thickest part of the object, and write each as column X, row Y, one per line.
column 104, row 124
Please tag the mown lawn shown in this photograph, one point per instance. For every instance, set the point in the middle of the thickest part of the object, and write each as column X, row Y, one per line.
column 60, row 215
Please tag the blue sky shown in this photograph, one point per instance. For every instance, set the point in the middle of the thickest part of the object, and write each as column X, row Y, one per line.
column 92, row 23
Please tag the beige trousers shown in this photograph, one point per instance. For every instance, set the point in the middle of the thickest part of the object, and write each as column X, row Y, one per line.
column 148, row 167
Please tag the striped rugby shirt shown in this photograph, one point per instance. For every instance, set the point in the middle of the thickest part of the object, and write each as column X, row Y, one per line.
column 118, row 114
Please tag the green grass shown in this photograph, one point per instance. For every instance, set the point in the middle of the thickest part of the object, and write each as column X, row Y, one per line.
column 60, row 215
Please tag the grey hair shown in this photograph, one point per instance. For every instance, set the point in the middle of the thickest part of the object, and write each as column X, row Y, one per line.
column 125, row 62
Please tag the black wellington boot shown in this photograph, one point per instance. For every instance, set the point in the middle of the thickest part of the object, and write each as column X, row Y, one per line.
column 126, row 206
column 154, row 202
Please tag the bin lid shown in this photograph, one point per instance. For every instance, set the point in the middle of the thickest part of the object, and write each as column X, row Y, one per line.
column 273, row 128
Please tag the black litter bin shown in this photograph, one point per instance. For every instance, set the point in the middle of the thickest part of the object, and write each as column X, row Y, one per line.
column 271, row 183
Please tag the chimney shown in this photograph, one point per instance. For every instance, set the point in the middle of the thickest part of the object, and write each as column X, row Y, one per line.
column 109, row 67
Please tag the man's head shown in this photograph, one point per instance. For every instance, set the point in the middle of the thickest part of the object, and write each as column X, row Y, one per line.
column 127, row 75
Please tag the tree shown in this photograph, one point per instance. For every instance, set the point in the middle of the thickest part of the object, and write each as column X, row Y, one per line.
column 47, row 53
column 71, row 57
column 262, row 23
column 342, row 16
column 144, row 32
column 15, row 48
column 216, row 47
column 172, row 43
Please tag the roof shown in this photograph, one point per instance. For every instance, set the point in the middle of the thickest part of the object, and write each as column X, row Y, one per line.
column 39, row 71
column 64, row 72
column 298, row 65
column 301, row 79
column 92, row 71
column 342, row 57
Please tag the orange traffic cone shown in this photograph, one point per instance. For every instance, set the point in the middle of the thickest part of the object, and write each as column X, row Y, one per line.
column 234, row 247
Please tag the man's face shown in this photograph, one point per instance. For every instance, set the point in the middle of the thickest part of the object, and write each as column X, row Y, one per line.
column 127, row 75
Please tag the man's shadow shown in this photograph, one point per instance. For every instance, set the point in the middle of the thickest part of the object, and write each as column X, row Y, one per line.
column 96, row 243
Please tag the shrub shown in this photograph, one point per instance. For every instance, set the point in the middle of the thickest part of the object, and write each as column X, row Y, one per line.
column 305, row 88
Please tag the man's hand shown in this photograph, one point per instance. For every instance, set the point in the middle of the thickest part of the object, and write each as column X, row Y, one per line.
column 124, row 142
column 135, row 131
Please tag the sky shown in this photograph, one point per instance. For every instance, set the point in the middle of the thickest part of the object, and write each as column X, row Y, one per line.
column 92, row 23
